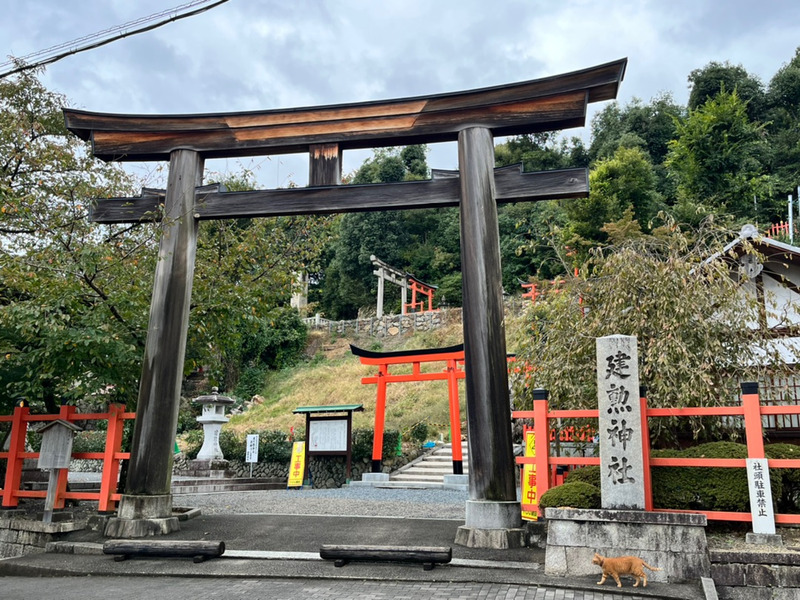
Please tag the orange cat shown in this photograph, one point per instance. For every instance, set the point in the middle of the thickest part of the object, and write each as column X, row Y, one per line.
column 622, row 565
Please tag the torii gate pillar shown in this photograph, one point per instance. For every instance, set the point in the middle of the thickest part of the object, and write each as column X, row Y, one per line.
column 493, row 513
column 146, row 506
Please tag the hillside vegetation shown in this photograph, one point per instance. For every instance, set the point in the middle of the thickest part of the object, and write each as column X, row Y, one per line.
column 332, row 375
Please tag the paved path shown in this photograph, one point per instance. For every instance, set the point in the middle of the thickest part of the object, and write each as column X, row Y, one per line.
column 179, row 588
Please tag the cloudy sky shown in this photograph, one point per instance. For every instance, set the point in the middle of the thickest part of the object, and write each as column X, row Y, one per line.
column 263, row 54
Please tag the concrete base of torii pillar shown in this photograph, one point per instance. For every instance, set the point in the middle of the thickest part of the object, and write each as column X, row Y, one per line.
column 142, row 516
column 495, row 525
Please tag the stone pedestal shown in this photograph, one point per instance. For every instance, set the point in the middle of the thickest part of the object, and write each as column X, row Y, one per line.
column 674, row 542
column 215, row 469
column 141, row 516
column 489, row 524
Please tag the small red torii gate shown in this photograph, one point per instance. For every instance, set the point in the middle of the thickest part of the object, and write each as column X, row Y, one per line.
column 423, row 289
column 452, row 355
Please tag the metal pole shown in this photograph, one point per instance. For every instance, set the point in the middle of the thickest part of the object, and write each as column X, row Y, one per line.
column 791, row 220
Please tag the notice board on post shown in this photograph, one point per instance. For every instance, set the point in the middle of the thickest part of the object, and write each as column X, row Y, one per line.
column 329, row 431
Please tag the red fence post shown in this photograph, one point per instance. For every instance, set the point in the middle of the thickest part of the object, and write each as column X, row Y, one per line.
column 108, row 482
column 541, row 429
column 455, row 417
column 648, row 482
column 19, row 431
column 753, row 427
column 380, row 414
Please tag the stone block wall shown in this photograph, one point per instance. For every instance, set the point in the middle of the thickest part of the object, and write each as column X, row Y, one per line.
column 675, row 543
column 20, row 536
column 326, row 471
column 756, row 575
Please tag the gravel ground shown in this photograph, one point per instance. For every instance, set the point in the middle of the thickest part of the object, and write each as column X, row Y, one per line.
column 362, row 501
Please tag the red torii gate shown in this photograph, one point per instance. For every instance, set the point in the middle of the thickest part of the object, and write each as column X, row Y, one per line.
column 452, row 355
column 423, row 289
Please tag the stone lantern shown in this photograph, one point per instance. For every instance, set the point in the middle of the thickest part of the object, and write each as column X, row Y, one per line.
column 212, row 418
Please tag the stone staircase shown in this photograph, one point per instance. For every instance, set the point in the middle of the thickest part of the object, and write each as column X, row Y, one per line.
column 428, row 470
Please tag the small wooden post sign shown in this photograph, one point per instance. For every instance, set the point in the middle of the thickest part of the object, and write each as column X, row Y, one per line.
column 55, row 454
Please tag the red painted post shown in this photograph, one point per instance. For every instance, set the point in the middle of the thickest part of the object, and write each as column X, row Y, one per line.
column 108, row 482
column 380, row 416
column 19, row 430
column 66, row 413
column 455, row 417
column 648, row 482
column 753, row 427
column 541, row 429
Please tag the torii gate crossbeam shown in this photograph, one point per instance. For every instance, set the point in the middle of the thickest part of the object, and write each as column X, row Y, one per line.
column 472, row 117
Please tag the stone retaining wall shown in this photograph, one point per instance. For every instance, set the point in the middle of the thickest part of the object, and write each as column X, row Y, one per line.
column 326, row 471
column 756, row 575
column 674, row 542
column 20, row 536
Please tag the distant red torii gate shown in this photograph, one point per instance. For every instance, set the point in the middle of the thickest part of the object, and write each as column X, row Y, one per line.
column 452, row 355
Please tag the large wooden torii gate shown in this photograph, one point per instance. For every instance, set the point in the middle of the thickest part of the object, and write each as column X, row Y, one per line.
column 473, row 118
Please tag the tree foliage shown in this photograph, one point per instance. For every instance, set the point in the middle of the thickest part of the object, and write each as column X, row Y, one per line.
column 75, row 295
column 686, row 312
column 71, row 309
column 716, row 159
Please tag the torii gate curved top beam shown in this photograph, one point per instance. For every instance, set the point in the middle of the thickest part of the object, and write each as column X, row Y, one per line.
column 546, row 104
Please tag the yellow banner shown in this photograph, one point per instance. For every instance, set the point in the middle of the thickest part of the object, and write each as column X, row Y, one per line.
column 529, row 495
column 297, row 465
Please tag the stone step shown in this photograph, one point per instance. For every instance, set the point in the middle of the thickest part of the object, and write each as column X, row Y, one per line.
column 409, row 477
column 425, row 469
column 409, row 484
column 208, row 488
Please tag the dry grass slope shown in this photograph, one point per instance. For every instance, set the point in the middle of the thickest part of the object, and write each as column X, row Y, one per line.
column 333, row 376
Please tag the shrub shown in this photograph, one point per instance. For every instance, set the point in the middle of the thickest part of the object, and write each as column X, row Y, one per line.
column 572, row 494
column 419, row 432
column 789, row 498
column 590, row 475
column 273, row 446
column 252, row 381
column 193, row 441
column 89, row 441
column 705, row 488
column 362, row 443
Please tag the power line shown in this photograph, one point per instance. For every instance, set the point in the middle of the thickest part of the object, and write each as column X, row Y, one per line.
column 106, row 36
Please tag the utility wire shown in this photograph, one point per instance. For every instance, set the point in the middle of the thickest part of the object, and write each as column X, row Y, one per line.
column 101, row 38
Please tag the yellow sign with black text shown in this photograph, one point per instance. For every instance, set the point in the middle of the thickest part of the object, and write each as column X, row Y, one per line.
column 297, row 466
column 530, row 499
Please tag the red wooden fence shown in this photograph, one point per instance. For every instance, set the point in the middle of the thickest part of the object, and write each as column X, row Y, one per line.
column 111, row 456
column 750, row 409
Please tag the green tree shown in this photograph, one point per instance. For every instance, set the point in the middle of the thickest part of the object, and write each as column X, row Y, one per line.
column 408, row 240
column 783, row 113
column 75, row 295
column 716, row 160
column 71, row 306
column 648, row 126
column 626, row 181
column 717, row 77
column 685, row 310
